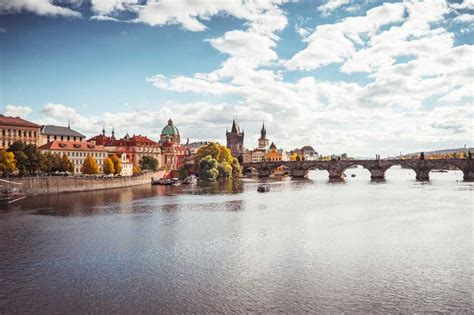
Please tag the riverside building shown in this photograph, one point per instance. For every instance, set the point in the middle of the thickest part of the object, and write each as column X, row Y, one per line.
column 17, row 129
column 77, row 152
column 51, row 133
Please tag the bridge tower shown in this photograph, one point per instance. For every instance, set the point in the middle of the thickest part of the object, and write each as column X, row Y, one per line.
column 235, row 140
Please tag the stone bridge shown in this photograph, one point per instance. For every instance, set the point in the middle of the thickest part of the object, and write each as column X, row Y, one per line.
column 377, row 168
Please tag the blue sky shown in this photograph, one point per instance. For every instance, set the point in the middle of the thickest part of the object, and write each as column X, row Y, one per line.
column 362, row 77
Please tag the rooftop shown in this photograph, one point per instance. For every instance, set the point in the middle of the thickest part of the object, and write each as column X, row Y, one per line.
column 71, row 146
column 16, row 122
column 60, row 131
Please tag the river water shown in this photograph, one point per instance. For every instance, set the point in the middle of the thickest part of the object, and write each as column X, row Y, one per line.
column 305, row 246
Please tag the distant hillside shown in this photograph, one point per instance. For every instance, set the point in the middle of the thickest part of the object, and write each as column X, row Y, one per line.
column 439, row 152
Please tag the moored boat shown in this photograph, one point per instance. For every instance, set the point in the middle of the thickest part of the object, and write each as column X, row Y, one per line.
column 192, row 179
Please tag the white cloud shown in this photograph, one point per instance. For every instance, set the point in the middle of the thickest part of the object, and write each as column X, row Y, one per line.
column 332, row 5
column 466, row 4
column 40, row 7
column 13, row 110
column 464, row 18
column 333, row 43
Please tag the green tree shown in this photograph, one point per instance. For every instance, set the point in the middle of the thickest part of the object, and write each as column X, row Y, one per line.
column 117, row 164
column 148, row 163
column 29, row 159
column 228, row 165
column 51, row 162
column 108, row 166
column 7, row 162
column 208, row 168
column 225, row 170
column 236, row 168
column 90, row 166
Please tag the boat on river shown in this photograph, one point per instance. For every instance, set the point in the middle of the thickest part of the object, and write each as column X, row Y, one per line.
column 263, row 188
column 192, row 179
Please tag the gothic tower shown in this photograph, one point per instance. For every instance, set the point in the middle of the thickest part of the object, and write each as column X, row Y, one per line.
column 263, row 141
column 235, row 140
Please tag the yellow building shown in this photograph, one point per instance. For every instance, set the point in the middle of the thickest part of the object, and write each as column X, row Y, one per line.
column 273, row 154
column 16, row 129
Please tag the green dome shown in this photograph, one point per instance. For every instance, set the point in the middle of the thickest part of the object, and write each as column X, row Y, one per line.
column 170, row 129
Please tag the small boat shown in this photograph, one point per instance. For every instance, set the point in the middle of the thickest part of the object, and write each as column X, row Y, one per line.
column 353, row 175
column 439, row 171
column 175, row 182
column 263, row 188
column 161, row 181
column 190, row 180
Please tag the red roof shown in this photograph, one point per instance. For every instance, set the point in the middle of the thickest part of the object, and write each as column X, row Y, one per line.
column 99, row 139
column 17, row 122
column 132, row 142
column 71, row 146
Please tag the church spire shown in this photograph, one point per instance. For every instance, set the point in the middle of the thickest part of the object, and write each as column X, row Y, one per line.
column 235, row 128
column 263, row 131
column 103, row 130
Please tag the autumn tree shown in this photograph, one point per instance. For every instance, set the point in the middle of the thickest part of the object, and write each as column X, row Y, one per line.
column 7, row 162
column 228, row 165
column 117, row 164
column 136, row 170
column 108, row 166
column 66, row 164
column 90, row 166
column 225, row 170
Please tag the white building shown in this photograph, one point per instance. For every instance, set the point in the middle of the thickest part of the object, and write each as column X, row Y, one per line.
column 77, row 152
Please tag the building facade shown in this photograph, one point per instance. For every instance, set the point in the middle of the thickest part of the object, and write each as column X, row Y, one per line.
column 135, row 147
column 272, row 154
column 235, row 141
column 17, row 129
column 77, row 152
column 173, row 154
column 52, row 133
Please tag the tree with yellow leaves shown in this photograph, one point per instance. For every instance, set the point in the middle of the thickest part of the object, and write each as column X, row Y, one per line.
column 108, row 166
column 7, row 162
column 90, row 166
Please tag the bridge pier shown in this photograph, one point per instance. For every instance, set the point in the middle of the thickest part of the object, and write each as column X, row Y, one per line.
column 468, row 175
column 264, row 173
column 335, row 175
column 377, row 174
column 299, row 173
column 422, row 174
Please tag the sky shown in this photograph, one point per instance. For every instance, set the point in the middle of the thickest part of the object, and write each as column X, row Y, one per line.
column 363, row 77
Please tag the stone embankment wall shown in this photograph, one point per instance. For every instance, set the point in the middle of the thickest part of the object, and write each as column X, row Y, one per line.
column 34, row 186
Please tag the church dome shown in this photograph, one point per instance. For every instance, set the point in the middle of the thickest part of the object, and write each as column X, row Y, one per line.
column 170, row 129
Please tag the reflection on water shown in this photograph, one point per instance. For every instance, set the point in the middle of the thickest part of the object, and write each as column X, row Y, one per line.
column 306, row 246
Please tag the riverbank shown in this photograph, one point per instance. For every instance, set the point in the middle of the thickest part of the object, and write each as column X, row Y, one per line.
column 50, row 185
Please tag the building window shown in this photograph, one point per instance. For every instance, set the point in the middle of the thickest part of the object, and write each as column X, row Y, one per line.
column 34, row 133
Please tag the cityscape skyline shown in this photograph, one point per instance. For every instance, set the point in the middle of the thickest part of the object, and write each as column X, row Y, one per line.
column 394, row 76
